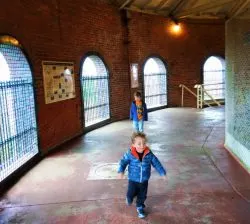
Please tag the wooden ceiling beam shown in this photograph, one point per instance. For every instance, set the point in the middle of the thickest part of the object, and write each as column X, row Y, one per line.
column 161, row 5
column 178, row 6
column 211, row 5
column 145, row 4
column 236, row 6
column 126, row 3
column 152, row 12
column 238, row 9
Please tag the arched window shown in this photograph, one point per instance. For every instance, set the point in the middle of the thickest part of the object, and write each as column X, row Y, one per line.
column 214, row 77
column 155, row 83
column 18, row 128
column 95, row 90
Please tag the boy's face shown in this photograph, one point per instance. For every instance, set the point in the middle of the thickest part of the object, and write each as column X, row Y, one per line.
column 137, row 98
column 139, row 144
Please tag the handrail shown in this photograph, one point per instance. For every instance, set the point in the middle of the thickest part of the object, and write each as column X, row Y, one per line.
column 189, row 90
column 211, row 84
column 217, row 102
column 201, row 91
column 182, row 93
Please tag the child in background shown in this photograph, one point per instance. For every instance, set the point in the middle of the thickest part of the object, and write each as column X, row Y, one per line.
column 139, row 159
column 138, row 112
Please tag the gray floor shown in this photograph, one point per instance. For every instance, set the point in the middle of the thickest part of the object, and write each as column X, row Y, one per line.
column 78, row 183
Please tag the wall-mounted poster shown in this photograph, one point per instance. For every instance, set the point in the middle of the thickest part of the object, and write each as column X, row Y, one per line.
column 134, row 75
column 59, row 83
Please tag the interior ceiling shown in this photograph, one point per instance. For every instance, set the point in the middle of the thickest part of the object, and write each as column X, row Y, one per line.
column 188, row 9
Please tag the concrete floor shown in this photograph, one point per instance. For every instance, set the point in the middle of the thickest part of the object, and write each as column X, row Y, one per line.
column 78, row 184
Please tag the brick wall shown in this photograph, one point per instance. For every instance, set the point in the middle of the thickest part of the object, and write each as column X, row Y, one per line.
column 65, row 30
column 184, row 54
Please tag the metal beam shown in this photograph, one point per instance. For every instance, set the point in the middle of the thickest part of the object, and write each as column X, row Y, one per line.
column 126, row 3
column 211, row 5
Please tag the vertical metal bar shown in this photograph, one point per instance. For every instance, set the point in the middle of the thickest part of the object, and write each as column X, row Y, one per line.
column 6, row 150
column 197, row 101
column 202, row 97
column 182, row 95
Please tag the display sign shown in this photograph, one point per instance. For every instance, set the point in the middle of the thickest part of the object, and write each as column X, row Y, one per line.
column 134, row 75
column 59, row 83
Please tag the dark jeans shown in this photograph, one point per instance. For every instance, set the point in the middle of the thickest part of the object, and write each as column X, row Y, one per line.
column 139, row 190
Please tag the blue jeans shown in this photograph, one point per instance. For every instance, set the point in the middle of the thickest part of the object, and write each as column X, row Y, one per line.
column 138, row 126
column 137, row 189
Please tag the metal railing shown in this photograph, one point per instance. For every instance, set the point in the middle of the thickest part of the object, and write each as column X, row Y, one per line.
column 206, row 94
column 183, row 88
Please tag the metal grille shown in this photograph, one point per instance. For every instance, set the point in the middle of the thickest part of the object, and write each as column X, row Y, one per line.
column 95, row 91
column 155, row 83
column 18, row 129
column 214, row 78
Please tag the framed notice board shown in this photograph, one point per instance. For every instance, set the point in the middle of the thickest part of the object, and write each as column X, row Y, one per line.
column 59, row 82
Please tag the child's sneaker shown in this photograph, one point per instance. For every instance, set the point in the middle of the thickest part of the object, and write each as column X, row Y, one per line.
column 128, row 202
column 141, row 213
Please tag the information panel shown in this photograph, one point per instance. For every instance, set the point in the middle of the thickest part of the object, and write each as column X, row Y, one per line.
column 59, row 83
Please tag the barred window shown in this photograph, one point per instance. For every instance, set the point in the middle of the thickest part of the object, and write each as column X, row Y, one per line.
column 18, row 128
column 95, row 90
column 214, row 77
column 155, row 83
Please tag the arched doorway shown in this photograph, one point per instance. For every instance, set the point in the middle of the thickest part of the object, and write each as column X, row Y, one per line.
column 18, row 127
column 95, row 90
column 155, row 83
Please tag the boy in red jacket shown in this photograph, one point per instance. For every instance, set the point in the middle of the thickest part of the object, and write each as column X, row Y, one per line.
column 139, row 159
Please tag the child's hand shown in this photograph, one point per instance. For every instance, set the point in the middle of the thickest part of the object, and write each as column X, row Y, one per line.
column 121, row 176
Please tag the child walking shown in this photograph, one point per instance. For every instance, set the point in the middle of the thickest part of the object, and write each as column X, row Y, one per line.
column 138, row 112
column 139, row 159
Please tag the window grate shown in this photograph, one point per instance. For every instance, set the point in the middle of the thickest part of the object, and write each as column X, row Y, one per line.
column 155, row 83
column 95, row 91
column 214, row 78
column 215, row 85
column 18, row 129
